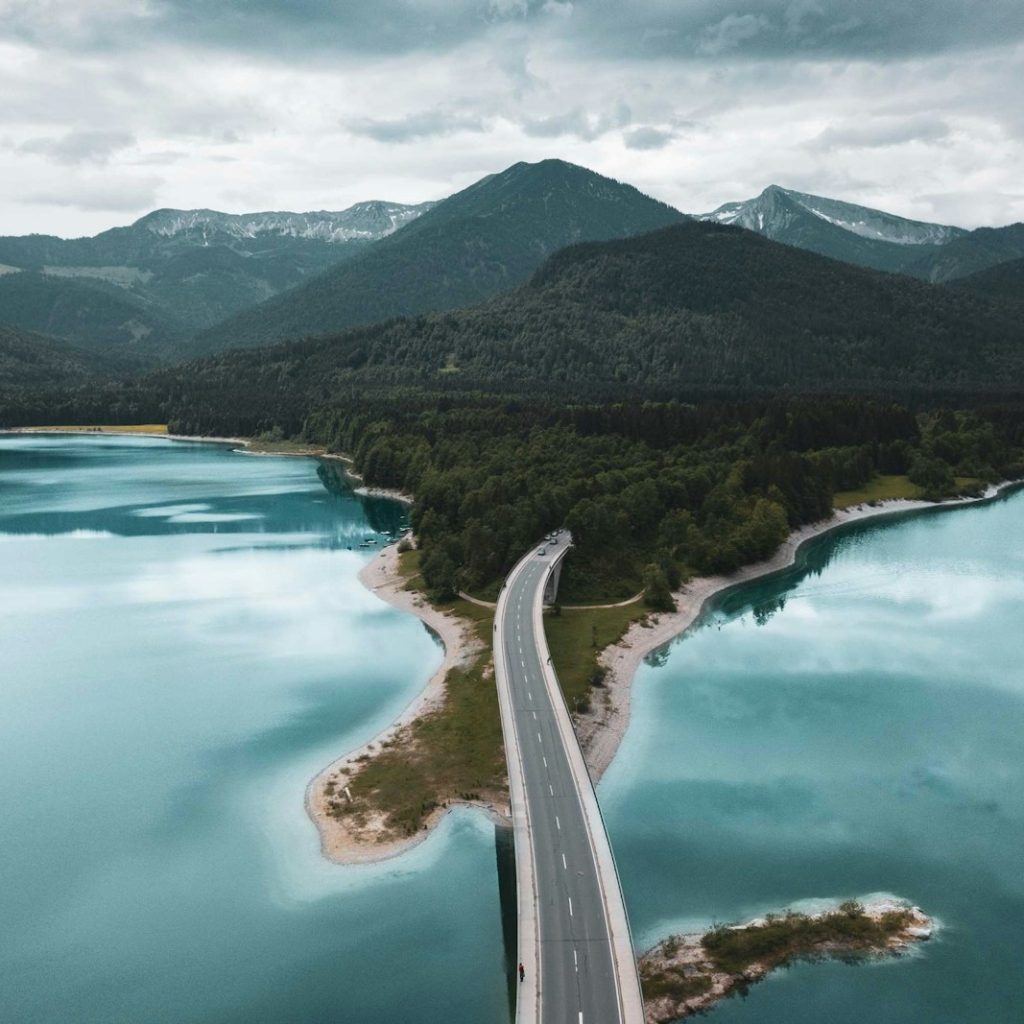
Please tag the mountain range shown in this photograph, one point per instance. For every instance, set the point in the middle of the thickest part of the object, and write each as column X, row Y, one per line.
column 871, row 238
column 693, row 309
column 483, row 240
column 156, row 292
column 179, row 270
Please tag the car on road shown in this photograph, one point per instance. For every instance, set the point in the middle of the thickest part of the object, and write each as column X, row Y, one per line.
column 542, row 551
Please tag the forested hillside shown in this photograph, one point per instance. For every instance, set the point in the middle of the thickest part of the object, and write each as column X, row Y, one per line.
column 483, row 240
column 30, row 361
column 691, row 310
column 971, row 253
column 98, row 317
column 1004, row 281
column 651, row 491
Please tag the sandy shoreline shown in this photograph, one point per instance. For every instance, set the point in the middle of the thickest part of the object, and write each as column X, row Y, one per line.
column 601, row 731
column 339, row 842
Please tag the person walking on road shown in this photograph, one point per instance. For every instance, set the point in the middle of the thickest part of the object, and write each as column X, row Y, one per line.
column 522, row 973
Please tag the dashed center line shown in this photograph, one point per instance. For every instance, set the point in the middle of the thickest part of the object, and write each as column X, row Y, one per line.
column 558, row 824
column 570, row 906
column 565, row 867
column 539, row 740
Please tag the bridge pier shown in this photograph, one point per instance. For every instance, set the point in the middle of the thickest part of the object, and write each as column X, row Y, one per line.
column 551, row 586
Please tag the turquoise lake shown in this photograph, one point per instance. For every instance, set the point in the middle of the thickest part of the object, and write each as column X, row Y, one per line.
column 184, row 643
column 865, row 737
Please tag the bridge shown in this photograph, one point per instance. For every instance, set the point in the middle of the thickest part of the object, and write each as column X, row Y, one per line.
column 574, row 940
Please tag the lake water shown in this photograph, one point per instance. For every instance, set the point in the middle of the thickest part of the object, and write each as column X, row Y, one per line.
column 183, row 644
column 866, row 737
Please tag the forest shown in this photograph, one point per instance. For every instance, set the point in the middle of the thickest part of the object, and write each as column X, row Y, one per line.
column 653, row 492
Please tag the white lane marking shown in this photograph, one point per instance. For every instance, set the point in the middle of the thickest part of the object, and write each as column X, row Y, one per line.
column 581, row 1017
column 576, row 964
column 551, row 789
column 539, row 740
column 565, row 866
column 535, row 716
column 529, row 694
column 523, row 663
column 558, row 824
column 545, row 760
column 570, row 906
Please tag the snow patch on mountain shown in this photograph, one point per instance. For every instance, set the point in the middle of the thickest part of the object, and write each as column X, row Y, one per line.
column 777, row 209
column 365, row 221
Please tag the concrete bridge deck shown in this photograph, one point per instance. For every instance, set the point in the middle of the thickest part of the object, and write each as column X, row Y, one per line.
column 574, row 939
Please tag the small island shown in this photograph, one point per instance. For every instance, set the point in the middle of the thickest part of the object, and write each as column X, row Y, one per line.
column 686, row 974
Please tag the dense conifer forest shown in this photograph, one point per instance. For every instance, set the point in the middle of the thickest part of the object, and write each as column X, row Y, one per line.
column 653, row 492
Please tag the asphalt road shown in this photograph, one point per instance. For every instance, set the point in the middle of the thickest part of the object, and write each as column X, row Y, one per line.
column 576, row 962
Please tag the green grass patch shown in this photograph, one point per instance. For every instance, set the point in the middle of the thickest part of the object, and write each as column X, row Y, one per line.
column 454, row 753
column 283, row 446
column 882, row 488
column 791, row 935
column 675, row 982
column 576, row 637
column 891, row 487
column 109, row 428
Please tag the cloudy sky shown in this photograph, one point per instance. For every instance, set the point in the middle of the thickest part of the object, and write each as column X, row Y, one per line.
column 110, row 108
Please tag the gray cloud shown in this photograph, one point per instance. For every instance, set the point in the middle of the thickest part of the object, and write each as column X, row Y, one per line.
column 875, row 134
column 311, row 104
column 113, row 194
column 647, row 137
column 77, row 147
column 638, row 29
column 731, row 33
column 422, row 125
column 578, row 123
column 783, row 29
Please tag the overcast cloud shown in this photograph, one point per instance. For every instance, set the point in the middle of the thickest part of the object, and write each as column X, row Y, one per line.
column 113, row 107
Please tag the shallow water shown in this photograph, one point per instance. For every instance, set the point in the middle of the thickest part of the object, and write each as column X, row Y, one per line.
column 851, row 728
column 183, row 644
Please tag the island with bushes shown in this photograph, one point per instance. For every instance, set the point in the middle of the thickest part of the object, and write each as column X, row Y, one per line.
column 686, row 974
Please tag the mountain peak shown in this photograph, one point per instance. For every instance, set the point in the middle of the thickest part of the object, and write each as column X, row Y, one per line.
column 833, row 227
column 480, row 241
